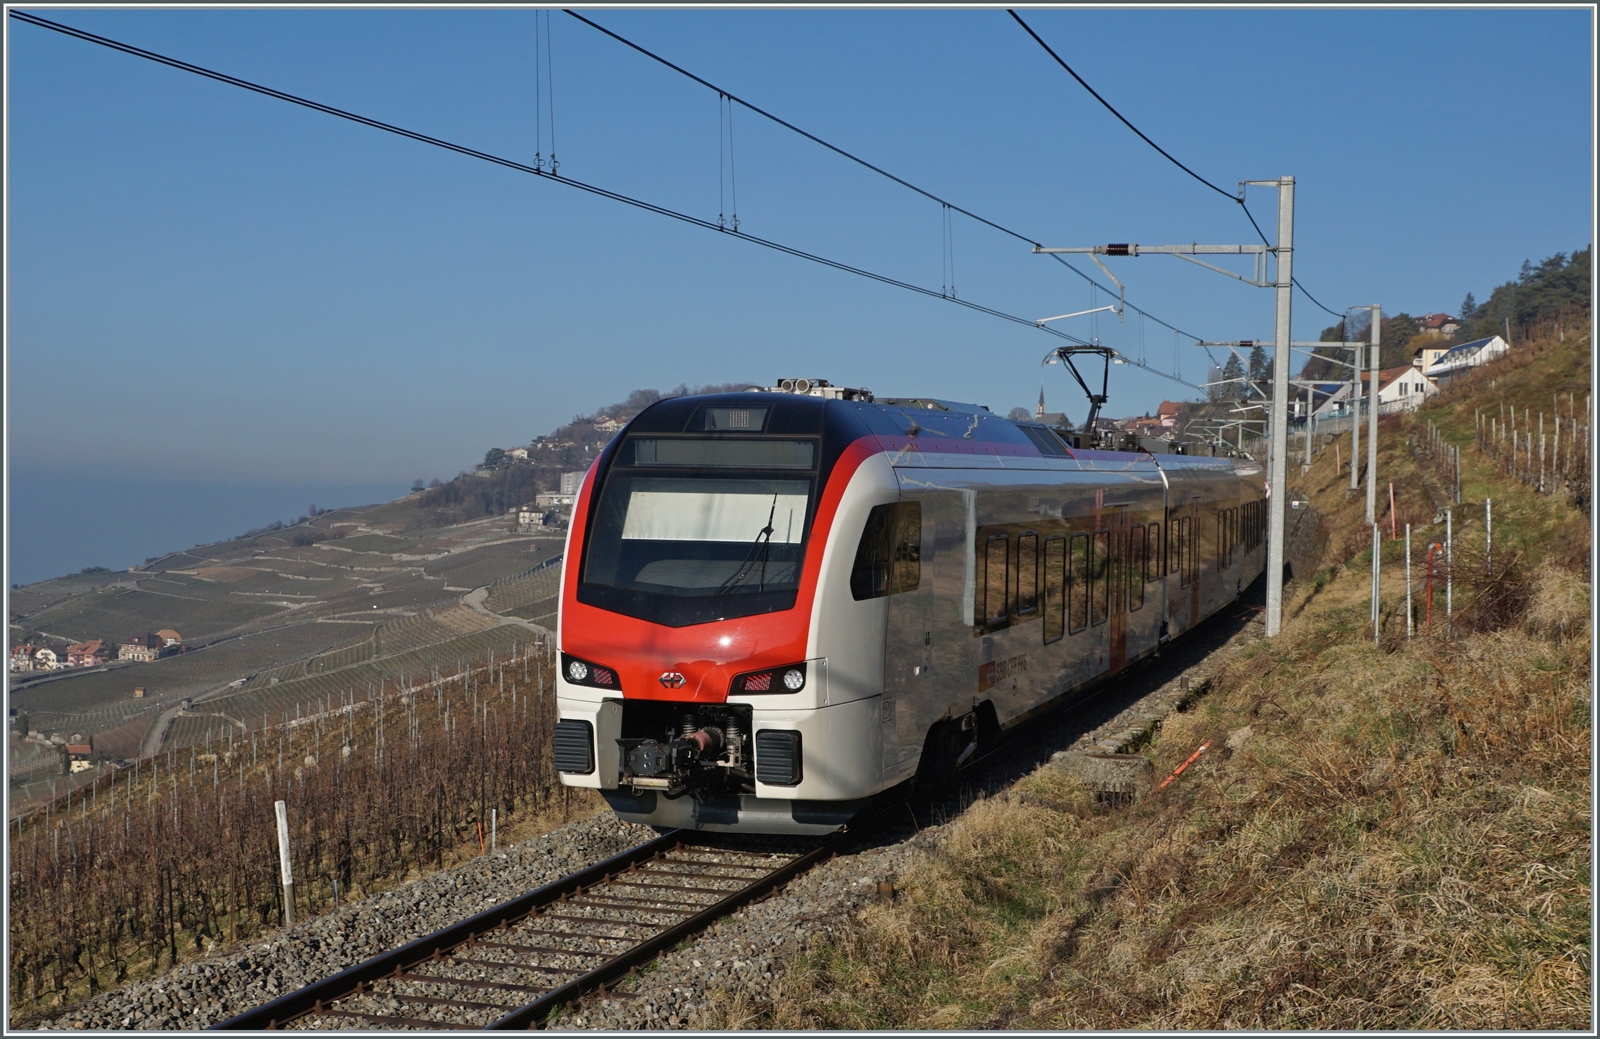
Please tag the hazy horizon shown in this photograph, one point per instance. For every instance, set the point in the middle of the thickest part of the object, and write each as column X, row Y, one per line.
column 59, row 524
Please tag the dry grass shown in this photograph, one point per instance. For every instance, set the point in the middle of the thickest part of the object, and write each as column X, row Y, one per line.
column 1381, row 837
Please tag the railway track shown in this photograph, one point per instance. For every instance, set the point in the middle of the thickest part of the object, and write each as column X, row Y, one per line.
column 510, row 966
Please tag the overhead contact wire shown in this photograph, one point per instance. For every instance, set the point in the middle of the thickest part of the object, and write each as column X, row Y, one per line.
column 734, row 98
column 592, row 189
column 1230, row 196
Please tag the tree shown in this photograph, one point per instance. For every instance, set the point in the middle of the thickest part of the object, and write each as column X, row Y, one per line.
column 1019, row 415
column 416, row 485
column 1259, row 365
column 1233, row 377
column 1469, row 310
column 494, row 458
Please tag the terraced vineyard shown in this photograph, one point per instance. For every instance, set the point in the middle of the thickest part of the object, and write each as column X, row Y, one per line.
column 278, row 622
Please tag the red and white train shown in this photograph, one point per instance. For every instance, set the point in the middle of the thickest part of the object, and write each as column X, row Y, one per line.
column 778, row 603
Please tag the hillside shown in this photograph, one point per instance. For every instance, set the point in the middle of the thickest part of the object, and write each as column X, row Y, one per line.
column 1380, row 835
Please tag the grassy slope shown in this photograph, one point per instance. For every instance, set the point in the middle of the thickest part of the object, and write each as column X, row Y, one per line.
column 1391, row 837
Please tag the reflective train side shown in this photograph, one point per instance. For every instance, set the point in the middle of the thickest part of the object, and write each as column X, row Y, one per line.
column 775, row 606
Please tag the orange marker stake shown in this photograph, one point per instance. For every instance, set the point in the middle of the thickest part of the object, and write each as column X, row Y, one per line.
column 1179, row 770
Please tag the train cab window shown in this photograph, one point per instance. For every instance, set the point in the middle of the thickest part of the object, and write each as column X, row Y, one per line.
column 1100, row 578
column 1078, row 583
column 996, row 579
column 889, row 558
column 1135, row 568
column 1152, row 559
column 1055, row 588
column 1027, row 574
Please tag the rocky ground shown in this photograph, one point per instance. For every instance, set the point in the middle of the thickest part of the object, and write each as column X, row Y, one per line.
column 737, row 959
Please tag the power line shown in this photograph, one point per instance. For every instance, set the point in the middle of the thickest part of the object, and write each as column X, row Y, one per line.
column 1019, row 236
column 615, row 196
column 1239, row 198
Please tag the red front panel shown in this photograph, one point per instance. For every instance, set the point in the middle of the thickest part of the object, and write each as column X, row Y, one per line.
column 708, row 655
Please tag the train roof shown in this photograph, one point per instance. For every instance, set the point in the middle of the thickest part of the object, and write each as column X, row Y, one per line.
column 935, row 426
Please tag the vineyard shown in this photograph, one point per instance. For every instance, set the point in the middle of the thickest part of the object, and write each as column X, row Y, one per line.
column 165, row 861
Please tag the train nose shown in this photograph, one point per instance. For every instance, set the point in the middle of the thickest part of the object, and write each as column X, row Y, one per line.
column 671, row 680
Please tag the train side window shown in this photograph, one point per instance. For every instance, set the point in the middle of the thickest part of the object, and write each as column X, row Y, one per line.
column 1027, row 573
column 1136, row 564
column 1055, row 588
column 1174, row 546
column 1078, row 588
column 996, row 553
column 1222, row 526
column 1152, row 570
column 869, row 578
column 905, row 572
column 1100, row 578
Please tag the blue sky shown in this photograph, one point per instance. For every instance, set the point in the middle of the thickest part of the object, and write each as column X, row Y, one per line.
column 236, row 290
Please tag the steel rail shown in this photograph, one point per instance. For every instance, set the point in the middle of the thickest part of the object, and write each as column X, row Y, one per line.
column 570, row 983
column 346, row 982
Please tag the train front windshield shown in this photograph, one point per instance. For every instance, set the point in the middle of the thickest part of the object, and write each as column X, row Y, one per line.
column 692, row 529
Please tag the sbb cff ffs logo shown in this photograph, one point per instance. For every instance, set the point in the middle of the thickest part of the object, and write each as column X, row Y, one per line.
column 671, row 680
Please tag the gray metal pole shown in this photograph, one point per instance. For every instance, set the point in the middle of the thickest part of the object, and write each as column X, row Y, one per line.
column 1372, row 416
column 1308, row 425
column 1280, row 407
column 1355, row 423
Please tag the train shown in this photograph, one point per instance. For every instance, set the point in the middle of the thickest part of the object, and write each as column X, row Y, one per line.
column 778, row 604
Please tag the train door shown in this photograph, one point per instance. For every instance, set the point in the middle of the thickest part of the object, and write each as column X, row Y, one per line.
column 908, row 652
column 1117, row 587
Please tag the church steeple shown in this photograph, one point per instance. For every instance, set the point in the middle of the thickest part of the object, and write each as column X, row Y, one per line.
column 1040, row 413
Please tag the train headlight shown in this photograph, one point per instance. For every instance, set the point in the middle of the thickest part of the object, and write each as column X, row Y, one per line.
column 789, row 678
column 584, row 672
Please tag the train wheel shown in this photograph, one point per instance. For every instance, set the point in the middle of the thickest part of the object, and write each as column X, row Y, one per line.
column 941, row 753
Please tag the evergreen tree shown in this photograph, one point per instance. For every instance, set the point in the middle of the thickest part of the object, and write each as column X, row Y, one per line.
column 1260, row 370
column 1233, row 370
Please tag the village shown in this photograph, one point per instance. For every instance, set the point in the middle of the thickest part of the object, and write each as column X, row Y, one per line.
column 28, row 656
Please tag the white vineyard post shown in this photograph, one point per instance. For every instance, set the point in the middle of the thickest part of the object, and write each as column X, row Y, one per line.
column 1449, row 569
column 1408, row 581
column 494, row 829
column 1375, row 555
column 283, row 863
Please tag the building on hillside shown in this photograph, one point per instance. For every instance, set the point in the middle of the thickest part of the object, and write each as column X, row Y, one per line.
column 22, row 656
column 80, row 757
column 571, row 483
column 1461, row 359
column 1425, row 357
column 1168, row 413
column 1401, row 389
column 138, row 692
column 171, row 640
column 1443, row 324
column 519, row 453
column 546, row 500
column 1050, row 418
column 532, row 517
column 608, row 425
column 144, row 647
column 88, row 654
column 46, row 660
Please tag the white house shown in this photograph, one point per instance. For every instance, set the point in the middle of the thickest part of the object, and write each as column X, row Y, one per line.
column 1401, row 389
column 1464, row 358
column 45, row 660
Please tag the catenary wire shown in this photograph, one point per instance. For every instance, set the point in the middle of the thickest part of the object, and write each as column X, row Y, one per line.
column 651, row 207
column 734, row 98
column 1239, row 198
